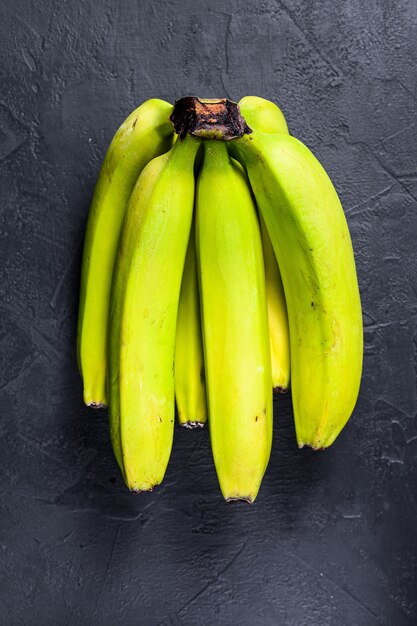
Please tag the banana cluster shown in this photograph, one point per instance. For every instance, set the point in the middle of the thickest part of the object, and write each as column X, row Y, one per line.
column 212, row 269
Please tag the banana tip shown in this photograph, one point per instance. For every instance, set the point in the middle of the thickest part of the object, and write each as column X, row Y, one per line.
column 247, row 499
column 136, row 490
column 96, row 405
column 193, row 425
column 314, row 446
column 280, row 389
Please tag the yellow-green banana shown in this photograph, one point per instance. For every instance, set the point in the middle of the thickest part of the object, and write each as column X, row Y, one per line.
column 139, row 200
column 235, row 324
column 263, row 115
column 279, row 336
column 311, row 240
column 146, row 133
column 143, row 315
column 190, row 388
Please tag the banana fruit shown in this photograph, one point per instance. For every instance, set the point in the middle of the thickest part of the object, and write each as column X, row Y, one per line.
column 146, row 133
column 265, row 116
column 190, row 388
column 310, row 237
column 143, row 316
column 279, row 336
column 139, row 200
column 235, row 325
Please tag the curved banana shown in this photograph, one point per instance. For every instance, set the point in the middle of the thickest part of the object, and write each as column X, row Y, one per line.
column 311, row 240
column 146, row 133
column 235, row 324
column 267, row 117
column 190, row 387
column 139, row 200
column 143, row 315
column 279, row 335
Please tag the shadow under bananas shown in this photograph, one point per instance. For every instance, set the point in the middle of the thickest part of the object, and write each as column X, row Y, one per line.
column 295, row 479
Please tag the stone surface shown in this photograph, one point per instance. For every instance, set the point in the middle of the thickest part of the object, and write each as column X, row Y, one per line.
column 332, row 538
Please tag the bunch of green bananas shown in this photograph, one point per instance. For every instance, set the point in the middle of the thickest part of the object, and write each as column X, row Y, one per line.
column 210, row 269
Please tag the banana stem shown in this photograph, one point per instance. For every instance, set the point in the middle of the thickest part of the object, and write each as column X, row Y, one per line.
column 208, row 119
column 185, row 149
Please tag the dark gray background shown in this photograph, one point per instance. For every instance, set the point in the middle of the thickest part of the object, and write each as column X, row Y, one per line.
column 332, row 537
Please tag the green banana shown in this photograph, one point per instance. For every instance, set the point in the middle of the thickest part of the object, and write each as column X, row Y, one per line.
column 235, row 324
column 311, row 240
column 146, row 133
column 143, row 315
column 139, row 200
column 190, row 388
column 266, row 116
column 279, row 335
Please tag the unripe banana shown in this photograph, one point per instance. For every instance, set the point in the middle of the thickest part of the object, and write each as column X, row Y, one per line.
column 235, row 324
column 143, row 315
column 139, row 200
column 190, row 388
column 266, row 116
column 311, row 240
column 146, row 133
column 279, row 335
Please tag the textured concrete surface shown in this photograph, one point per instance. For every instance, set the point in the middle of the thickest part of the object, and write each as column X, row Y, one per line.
column 332, row 538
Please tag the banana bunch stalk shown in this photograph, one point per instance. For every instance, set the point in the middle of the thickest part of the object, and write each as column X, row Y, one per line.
column 217, row 263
